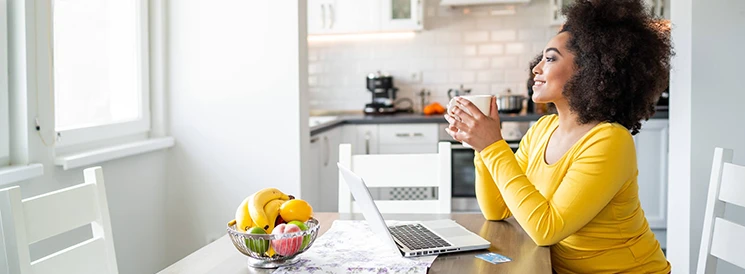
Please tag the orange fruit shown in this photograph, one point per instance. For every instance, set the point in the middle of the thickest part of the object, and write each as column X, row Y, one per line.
column 296, row 210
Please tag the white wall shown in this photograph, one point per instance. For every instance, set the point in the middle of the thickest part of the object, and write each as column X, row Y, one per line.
column 135, row 186
column 238, row 108
column 706, row 112
column 484, row 52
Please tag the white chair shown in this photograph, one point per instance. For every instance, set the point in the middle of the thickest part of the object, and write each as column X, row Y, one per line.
column 400, row 171
column 26, row 221
column 723, row 239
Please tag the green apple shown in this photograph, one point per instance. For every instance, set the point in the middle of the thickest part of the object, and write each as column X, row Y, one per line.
column 303, row 227
column 258, row 246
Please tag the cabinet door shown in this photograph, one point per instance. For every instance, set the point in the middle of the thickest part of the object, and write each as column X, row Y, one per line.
column 329, row 179
column 366, row 139
column 399, row 15
column 353, row 16
column 309, row 191
column 556, row 6
column 318, row 16
column 407, row 138
column 651, row 154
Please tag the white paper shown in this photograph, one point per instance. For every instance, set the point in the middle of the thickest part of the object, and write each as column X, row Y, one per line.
column 350, row 246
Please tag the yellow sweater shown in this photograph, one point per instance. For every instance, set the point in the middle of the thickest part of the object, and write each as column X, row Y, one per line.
column 585, row 206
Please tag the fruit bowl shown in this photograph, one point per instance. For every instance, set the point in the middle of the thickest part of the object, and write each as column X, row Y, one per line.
column 273, row 250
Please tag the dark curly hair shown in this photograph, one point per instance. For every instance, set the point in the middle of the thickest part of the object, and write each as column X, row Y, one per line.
column 622, row 56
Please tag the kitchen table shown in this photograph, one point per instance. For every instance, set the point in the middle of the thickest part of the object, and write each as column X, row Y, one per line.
column 506, row 237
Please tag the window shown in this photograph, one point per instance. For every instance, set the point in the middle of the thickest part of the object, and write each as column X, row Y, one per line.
column 4, row 96
column 100, row 62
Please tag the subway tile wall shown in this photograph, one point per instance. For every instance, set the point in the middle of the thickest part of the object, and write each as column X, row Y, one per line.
column 459, row 46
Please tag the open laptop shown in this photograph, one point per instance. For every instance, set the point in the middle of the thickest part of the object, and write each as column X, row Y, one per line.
column 416, row 239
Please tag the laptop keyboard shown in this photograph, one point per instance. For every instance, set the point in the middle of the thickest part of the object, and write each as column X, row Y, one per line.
column 416, row 236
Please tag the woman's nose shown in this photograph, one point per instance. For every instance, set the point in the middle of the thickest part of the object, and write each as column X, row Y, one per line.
column 538, row 69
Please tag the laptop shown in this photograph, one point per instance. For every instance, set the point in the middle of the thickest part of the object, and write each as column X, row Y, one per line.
column 416, row 239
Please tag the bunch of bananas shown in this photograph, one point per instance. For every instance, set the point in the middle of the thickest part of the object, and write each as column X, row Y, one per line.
column 260, row 210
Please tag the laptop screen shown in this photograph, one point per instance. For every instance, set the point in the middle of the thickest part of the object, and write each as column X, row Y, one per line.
column 366, row 204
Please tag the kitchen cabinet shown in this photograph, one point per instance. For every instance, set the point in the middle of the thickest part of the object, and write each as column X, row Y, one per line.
column 557, row 19
column 343, row 16
column 652, row 156
column 363, row 16
column 391, row 138
column 363, row 138
column 398, row 15
column 309, row 189
column 324, row 151
column 655, row 7
column 407, row 138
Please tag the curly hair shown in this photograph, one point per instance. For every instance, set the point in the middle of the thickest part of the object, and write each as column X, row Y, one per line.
column 622, row 56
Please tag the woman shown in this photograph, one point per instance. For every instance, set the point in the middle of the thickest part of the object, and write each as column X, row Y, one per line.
column 572, row 185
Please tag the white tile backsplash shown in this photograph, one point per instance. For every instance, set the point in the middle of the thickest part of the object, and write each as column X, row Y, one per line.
column 491, row 49
column 483, row 52
column 504, row 35
column 476, row 36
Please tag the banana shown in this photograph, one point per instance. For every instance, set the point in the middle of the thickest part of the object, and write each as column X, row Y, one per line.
column 259, row 200
column 270, row 252
column 243, row 220
column 272, row 211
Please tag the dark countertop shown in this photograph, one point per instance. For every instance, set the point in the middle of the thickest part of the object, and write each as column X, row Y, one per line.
column 409, row 118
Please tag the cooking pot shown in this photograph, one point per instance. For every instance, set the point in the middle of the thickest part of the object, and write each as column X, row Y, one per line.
column 510, row 103
column 458, row 92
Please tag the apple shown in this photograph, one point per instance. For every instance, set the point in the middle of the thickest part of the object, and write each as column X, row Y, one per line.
column 257, row 245
column 303, row 227
column 289, row 246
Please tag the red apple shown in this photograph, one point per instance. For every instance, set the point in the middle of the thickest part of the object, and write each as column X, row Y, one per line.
column 289, row 246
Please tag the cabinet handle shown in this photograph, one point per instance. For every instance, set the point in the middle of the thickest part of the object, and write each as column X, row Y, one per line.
column 416, row 134
column 314, row 139
column 367, row 142
column 323, row 16
column 331, row 17
column 328, row 152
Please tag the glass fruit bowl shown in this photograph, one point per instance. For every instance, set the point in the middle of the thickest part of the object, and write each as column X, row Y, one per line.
column 273, row 250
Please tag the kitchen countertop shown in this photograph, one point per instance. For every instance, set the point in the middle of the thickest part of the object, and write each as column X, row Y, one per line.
column 323, row 123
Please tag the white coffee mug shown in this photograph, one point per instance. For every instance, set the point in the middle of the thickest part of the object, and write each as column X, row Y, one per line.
column 482, row 102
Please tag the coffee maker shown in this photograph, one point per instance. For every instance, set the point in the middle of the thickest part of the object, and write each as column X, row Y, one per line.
column 383, row 94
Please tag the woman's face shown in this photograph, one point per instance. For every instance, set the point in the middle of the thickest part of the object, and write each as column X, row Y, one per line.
column 554, row 70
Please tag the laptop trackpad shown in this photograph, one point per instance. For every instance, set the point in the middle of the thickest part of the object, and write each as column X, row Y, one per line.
column 450, row 232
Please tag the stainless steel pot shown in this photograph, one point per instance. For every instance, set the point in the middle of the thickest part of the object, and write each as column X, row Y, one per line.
column 510, row 103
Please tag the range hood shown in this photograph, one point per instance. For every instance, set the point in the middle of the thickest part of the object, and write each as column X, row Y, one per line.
column 480, row 2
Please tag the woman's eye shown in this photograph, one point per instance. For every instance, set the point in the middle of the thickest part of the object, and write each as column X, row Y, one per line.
column 550, row 59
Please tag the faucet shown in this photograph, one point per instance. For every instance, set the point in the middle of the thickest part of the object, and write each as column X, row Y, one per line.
column 424, row 98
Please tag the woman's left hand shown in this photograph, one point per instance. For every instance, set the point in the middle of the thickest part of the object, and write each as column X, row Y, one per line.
column 473, row 126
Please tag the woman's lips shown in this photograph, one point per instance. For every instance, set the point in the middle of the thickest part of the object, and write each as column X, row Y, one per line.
column 538, row 84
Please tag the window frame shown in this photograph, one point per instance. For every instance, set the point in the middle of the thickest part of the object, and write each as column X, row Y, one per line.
column 87, row 135
column 4, row 88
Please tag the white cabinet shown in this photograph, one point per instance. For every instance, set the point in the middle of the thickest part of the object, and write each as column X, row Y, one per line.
column 318, row 16
column 398, row 15
column 655, row 7
column 391, row 138
column 329, row 179
column 556, row 6
column 309, row 189
column 363, row 138
column 652, row 156
column 363, row 16
column 323, row 189
column 343, row 16
column 407, row 138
